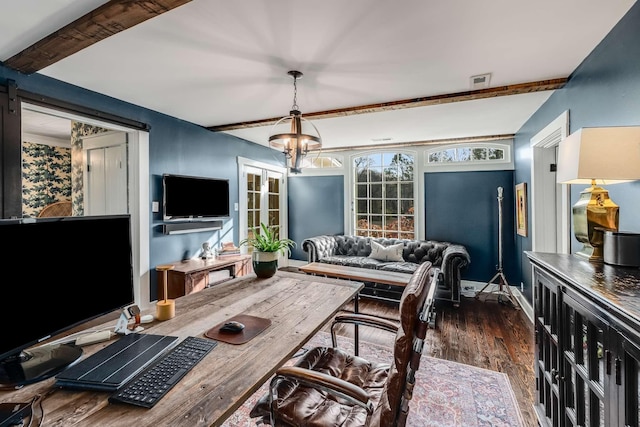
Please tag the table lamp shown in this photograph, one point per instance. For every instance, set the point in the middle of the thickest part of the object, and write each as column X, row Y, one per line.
column 598, row 156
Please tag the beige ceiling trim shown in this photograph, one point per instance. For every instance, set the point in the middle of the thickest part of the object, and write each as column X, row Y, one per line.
column 462, row 140
column 516, row 89
column 105, row 21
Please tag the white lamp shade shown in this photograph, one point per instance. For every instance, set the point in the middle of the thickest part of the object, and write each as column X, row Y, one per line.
column 607, row 154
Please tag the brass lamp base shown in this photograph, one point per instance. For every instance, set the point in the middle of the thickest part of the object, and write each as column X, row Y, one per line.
column 593, row 214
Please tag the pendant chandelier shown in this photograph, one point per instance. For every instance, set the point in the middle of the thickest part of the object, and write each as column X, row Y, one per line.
column 293, row 134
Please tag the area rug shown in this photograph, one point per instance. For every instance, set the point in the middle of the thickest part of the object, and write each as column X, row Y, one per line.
column 446, row 394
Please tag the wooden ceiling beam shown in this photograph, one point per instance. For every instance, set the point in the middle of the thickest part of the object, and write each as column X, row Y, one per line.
column 102, row 22
column 516, row 89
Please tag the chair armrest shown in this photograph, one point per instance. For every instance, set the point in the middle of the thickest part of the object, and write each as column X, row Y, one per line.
column 321, row 381
column 319, row 247
column 366, row 320
column 361, row 320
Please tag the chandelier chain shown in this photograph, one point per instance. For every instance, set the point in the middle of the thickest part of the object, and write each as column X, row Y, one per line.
column 295, row 94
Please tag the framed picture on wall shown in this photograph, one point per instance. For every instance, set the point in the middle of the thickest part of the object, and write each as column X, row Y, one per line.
column 521, row 209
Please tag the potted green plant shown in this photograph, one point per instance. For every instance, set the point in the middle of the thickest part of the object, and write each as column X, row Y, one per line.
column 267, row 246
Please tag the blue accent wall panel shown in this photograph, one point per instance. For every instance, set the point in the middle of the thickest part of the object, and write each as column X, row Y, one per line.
column 316, row 206
column 462, row 207
column 603, row 91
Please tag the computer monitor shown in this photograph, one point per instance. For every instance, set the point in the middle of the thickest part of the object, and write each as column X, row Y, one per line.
column 58, row 273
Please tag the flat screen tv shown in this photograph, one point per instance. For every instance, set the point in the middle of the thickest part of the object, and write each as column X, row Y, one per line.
column 194, row 197
column 67, row 271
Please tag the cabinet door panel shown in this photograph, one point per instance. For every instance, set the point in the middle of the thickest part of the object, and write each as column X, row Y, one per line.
column 547, row 369
column 628, row 378
column 585, row 336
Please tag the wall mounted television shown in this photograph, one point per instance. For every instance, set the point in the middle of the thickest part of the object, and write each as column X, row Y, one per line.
column 194, row 198
column 75, row 269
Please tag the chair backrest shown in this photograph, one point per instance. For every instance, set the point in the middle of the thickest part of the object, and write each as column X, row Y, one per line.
column 416, row 309
column 62, row 208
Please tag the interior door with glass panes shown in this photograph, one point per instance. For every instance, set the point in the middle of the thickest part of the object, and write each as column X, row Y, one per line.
column 264, row 204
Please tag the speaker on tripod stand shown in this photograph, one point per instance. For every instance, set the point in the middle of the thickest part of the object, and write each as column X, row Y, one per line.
column 503, row 291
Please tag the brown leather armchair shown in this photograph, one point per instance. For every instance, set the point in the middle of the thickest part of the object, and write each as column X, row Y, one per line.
column 331, row 387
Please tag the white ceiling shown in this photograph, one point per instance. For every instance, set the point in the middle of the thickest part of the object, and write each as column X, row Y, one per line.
column 215, row 62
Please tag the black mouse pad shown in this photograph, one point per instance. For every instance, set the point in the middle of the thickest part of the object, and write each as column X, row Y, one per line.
column 252, row 326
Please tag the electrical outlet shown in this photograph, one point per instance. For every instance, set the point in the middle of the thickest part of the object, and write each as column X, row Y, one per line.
column 521, row 287
column 155, row 207
column 235, row 207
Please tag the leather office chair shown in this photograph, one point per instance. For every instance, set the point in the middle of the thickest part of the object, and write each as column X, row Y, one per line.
column 330, row 387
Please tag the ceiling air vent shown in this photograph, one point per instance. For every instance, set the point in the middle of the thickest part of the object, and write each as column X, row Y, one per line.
column 381, row 139
column 480, row 81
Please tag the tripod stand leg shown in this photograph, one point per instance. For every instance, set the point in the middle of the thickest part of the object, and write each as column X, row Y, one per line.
column 490, row 282
column 503, row 290
column 511, row 300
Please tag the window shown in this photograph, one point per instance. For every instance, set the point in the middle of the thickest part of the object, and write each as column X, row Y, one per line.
column 471, row 153
column 321, row 162
column 384, row 195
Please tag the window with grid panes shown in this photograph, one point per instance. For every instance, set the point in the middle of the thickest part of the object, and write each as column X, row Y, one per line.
column 384, row 195
column 466, row 154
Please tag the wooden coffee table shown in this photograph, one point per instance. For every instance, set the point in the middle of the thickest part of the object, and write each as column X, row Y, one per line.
column 366, row 275
column 357, row 273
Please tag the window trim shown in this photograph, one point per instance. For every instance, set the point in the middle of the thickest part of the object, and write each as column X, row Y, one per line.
column 307, row 171
column 418, row 185
column 476, row 165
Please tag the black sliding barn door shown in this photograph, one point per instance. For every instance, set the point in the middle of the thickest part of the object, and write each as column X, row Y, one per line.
column 10, row 158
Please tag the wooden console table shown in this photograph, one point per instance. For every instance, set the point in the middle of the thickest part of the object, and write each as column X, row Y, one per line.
column 194, row 275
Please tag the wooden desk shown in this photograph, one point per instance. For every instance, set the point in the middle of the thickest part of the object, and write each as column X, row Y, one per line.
column 298, row 306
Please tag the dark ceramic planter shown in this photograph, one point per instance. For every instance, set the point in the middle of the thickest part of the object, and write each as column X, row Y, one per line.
column 265, row 264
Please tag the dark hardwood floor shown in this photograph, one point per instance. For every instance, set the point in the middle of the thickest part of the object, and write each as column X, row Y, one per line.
column 482, row 333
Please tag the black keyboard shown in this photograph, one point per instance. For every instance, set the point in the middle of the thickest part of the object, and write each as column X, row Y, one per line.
column 155, row 381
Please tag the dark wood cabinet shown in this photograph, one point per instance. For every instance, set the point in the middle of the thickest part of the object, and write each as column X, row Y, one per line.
column 587, row 355
column 194, row 275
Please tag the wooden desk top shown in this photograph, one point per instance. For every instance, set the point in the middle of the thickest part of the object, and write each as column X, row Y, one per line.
column 357, row 273
column 298, row 308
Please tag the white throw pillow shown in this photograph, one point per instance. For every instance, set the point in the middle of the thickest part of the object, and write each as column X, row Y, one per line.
column 386, row 253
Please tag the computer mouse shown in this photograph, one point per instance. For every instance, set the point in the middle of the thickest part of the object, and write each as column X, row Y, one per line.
column 232, row 327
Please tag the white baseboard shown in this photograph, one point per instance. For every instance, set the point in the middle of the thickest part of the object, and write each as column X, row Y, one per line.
column 296, row 263
column 469, row 289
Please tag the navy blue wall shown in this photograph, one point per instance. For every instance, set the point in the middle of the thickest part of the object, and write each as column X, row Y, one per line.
column 603, row 91
column 462, row 207
column 175, row 146
column 316, row 207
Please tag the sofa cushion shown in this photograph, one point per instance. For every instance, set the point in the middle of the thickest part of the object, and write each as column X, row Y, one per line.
column 399, row 267
column 386, row 253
